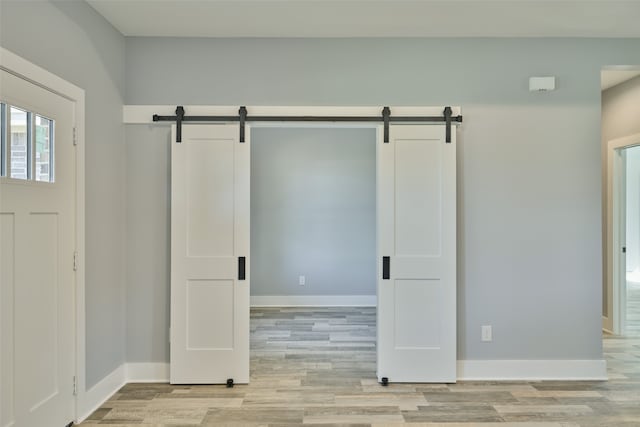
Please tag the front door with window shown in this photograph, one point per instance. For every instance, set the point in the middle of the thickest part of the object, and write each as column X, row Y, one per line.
column 37, row 244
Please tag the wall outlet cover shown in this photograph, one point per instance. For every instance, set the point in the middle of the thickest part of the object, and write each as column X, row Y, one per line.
column 487, row 333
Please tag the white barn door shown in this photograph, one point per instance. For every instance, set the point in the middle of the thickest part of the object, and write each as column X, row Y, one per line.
column 209, row 255
column 37, row 245
column 417, row 255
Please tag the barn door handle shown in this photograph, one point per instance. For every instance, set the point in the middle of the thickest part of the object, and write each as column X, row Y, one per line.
column 386, row 267
column 241, row 268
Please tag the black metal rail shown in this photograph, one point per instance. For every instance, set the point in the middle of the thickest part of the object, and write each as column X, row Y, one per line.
column 242, row 118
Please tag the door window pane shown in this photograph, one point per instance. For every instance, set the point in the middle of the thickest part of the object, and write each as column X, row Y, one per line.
column 19, row 143
column 44, row 149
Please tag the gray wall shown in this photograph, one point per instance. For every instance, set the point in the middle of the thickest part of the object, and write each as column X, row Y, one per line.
column 529, row 201
column 148, row 161
column 529, row 223
column 620, row 118
column 313, row 211
column 71, row 40
column 621, row 110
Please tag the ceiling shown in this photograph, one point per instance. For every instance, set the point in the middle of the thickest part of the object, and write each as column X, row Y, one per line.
column 373, row 18
column 611, row 78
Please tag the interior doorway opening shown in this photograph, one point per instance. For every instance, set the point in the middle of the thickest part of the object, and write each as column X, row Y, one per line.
column 313, row 216
column 313, row 248
column 620, row 139
column 623, row 157
column 632, row 237
column 626, row 236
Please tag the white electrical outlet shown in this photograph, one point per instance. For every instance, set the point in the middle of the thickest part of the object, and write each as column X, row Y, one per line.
column 301, row 280
column 487, row 333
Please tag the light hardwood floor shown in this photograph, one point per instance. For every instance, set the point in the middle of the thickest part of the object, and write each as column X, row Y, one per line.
column 633, row 308
column 317, row 366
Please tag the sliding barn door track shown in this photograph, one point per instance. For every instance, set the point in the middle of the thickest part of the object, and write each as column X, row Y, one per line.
column 385, row 117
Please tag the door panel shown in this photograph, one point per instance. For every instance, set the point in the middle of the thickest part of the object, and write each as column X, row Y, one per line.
column 417, row 318
column 210, row 314
column 210, row 208
column 39, row 287
column 417, row 187
column 209, row 232
column 38, row 234
column 417, row 230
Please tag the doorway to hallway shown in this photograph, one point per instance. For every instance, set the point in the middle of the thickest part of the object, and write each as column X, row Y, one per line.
column 623, row 208
column 632, row 240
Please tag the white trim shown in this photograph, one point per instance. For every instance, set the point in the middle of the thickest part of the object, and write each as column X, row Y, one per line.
column 101, row 392
column 24, row 69
column 532, row 370
column 147, row 372
column 314, row 301
column 615, row 281
column 143, row 114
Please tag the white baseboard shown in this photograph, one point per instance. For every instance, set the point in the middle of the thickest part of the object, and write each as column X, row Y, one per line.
column 531, row 370
column 147, row 372
column 97, row 395
column 314, row 301
column 468, row 370
column 93, row 398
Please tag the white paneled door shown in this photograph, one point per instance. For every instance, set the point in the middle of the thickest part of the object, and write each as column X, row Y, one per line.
column 209, row 255
column 417, row 255
column 37, row 245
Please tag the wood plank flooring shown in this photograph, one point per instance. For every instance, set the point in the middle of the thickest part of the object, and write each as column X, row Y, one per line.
column 633, row 308
column 317, row 366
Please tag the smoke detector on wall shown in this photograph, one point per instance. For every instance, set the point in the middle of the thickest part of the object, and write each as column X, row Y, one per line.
column 542, row 84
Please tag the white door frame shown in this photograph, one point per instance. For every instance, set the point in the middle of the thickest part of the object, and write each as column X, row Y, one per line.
column 616, row 278
column 20, row 67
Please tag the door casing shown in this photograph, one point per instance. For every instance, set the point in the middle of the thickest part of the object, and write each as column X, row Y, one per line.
column 616, row 196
